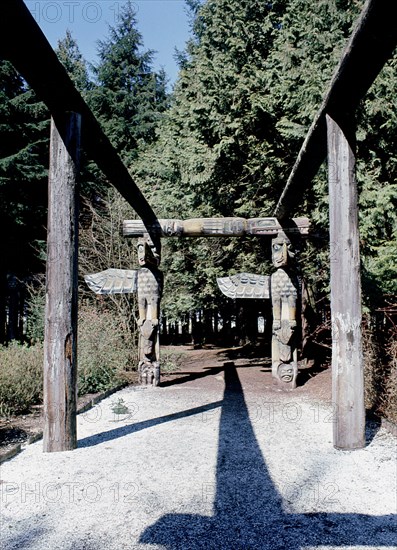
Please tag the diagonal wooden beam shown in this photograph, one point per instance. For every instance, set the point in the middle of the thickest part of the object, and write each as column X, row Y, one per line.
column 371, row 44
column 23, row 43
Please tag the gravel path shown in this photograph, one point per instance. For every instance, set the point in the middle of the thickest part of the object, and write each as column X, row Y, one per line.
column 221, row 461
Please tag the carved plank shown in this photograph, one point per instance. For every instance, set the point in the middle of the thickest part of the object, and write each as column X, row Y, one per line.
column 113, row 281
column 371, row 44
column 218, row 227
column 60, row 344
column 245, row 285
column 347, row 360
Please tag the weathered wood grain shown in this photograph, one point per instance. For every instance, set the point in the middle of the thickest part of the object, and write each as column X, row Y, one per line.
column 218, row 227
column 60, row 345
column 347, row 360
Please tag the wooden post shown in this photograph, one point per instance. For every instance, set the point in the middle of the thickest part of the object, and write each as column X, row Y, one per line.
column 347, row 361
column 60, row 346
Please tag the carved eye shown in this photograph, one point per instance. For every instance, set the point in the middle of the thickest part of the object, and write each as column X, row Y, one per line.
column 290, row 247
column 276, row 247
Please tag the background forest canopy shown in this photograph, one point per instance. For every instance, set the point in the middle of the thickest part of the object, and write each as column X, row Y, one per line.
column 222, row 143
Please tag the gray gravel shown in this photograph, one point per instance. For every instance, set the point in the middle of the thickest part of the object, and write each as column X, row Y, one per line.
column 193, row 468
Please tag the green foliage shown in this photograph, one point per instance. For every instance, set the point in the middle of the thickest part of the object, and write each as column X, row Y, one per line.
column 219, row 124
column 104, row 351
column 105, row 354
column 69, row 55
column 215, row 152
column 128, row 96
column 119, row 407
column 377, row 176
column 24, row 138
column 171, row 361
column 21, row 378
column 389, row 397
column 35, row 311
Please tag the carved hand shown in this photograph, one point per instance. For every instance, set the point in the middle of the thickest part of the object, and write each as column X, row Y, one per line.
column 155, row 322
column 141, row 320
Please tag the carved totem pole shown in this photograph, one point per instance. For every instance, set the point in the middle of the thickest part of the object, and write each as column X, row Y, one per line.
column 284, row 292
column 282, row 288
column 150, row 289
column 147, row 282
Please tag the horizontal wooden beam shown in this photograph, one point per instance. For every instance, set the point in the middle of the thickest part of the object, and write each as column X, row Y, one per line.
column 23, row 43
column 219, row 227
column 371, row 44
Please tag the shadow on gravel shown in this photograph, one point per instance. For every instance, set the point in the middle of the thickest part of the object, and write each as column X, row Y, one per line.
column 189, row 376
column 122, row 431
column 29, row 537
column 247, row 508
column 372, row 427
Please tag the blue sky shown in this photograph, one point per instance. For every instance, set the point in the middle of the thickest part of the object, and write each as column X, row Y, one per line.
column 164, row 25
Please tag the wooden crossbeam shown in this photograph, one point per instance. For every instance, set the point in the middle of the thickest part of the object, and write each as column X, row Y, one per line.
column 219, row 227
column 371, row 44
column 23, row 43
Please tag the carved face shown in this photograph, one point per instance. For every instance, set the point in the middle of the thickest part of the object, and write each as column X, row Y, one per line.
column 147, row 253
column 286, row 372
column 282, row 251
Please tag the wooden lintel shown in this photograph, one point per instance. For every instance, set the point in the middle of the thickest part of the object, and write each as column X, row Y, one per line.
column 219, row 227
column 347, row 359
column 371, row 44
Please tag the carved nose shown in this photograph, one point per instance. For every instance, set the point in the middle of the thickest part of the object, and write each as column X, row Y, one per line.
column 285, row 252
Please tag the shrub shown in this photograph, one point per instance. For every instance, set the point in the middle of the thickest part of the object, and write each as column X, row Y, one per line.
column 105, row 351
column 35, row 310
column 373, row 366
column 21, row 378
column 105, row 355
column 389, row 397
column 171, row 361
column 380, row 370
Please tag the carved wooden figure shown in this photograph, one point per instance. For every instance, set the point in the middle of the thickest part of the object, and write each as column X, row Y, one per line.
column 147, row 282
column 282, row 288
column 150, row 288
column 284, row 291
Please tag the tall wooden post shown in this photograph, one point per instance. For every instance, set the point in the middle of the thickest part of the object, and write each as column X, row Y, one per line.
column 60, row 352
column 347, row 362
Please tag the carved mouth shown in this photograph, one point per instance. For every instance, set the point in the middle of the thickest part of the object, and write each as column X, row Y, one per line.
column 280, row 262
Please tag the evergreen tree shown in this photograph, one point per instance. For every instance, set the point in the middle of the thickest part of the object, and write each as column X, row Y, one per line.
column 377, row 177
column 24, row 128
column 129, row 96
column 306, row 52
column 215, row 154
column 69, row 55
column 220, row 122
